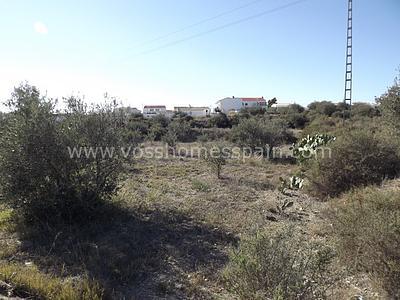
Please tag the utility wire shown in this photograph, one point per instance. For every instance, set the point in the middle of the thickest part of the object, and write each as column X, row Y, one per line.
column 248, row 18
column 161, row 37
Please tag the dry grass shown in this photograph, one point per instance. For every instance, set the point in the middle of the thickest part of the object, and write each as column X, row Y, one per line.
column 366, row 225
column 29, row 282
column 168, row 233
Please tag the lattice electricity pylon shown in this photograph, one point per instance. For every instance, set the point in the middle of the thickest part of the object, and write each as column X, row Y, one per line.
column 349, row 57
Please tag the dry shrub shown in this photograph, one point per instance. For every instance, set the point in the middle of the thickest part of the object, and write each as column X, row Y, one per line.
column 366, row 224
column 279, row 264
column 358, row 158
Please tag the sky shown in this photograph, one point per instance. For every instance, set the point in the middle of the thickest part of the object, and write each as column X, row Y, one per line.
column 137, row 51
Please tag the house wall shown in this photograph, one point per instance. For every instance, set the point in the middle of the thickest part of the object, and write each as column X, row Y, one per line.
column 149, row 112
column 199, row 113
column 236, row 104
column 252, row 104
column 228, row 104
column 194, row 111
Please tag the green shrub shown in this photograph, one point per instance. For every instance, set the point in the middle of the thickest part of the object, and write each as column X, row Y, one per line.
column 358, row 158
column 296, row 108
column 322, row 125
column 198, row 185
column 156, row 132
column 136, row 129
column 160, row 120
column 366, row 224
column 39, row 176
column 360, row 109
column 182, row 130
column 279, row 264
column 389, row 105
column 259, row 134
column 248, row 112
column 322, row 108
column 296, row 120
column 220, row 120
column 212, row 134
column 294, row 115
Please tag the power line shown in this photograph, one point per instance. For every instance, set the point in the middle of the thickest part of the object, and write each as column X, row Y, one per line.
column 263, row 13
column 161, row 37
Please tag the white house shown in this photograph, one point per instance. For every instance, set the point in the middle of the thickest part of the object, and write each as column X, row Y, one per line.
column 193, row 111
column 234, row 104
column 280, row 107
column 150, row 111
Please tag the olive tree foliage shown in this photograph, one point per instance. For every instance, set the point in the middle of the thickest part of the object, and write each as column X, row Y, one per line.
column 40, row 174
column 259, row 134
column 389, row 104
column 326, row 108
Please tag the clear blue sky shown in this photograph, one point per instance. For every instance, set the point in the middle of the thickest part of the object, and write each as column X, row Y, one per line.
column 296, row 54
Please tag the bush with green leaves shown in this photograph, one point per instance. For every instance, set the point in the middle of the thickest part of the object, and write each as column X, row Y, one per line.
column 135, row 129
column 156, row 132
column 178, row 130
column 249, row 112
column 322, row 124
column 157, row 127
column 278, row 264
column 296, row 120
column 360, row 109
column 366, row 226
column 40, row 177
column 322, row 108
column 182, row 130
column 389, row 105
column 294, row 115
column 357, row 158
column 259, row 134
column 220, row 120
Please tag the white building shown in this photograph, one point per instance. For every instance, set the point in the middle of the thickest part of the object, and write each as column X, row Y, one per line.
column 154, row 110
column 234, row 104
column 193, row 111
column 282, row 105
column 279, row 107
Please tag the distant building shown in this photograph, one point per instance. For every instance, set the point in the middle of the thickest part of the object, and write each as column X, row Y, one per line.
column 202, row 111
column 280, row 107
column 234, row 104
column 150, row 111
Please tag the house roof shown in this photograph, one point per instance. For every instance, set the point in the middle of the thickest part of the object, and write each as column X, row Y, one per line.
column 154, row 106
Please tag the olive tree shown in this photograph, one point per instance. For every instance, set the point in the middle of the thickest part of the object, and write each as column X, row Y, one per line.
column 389, row 104
column 58, row 167
column 259, row 134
